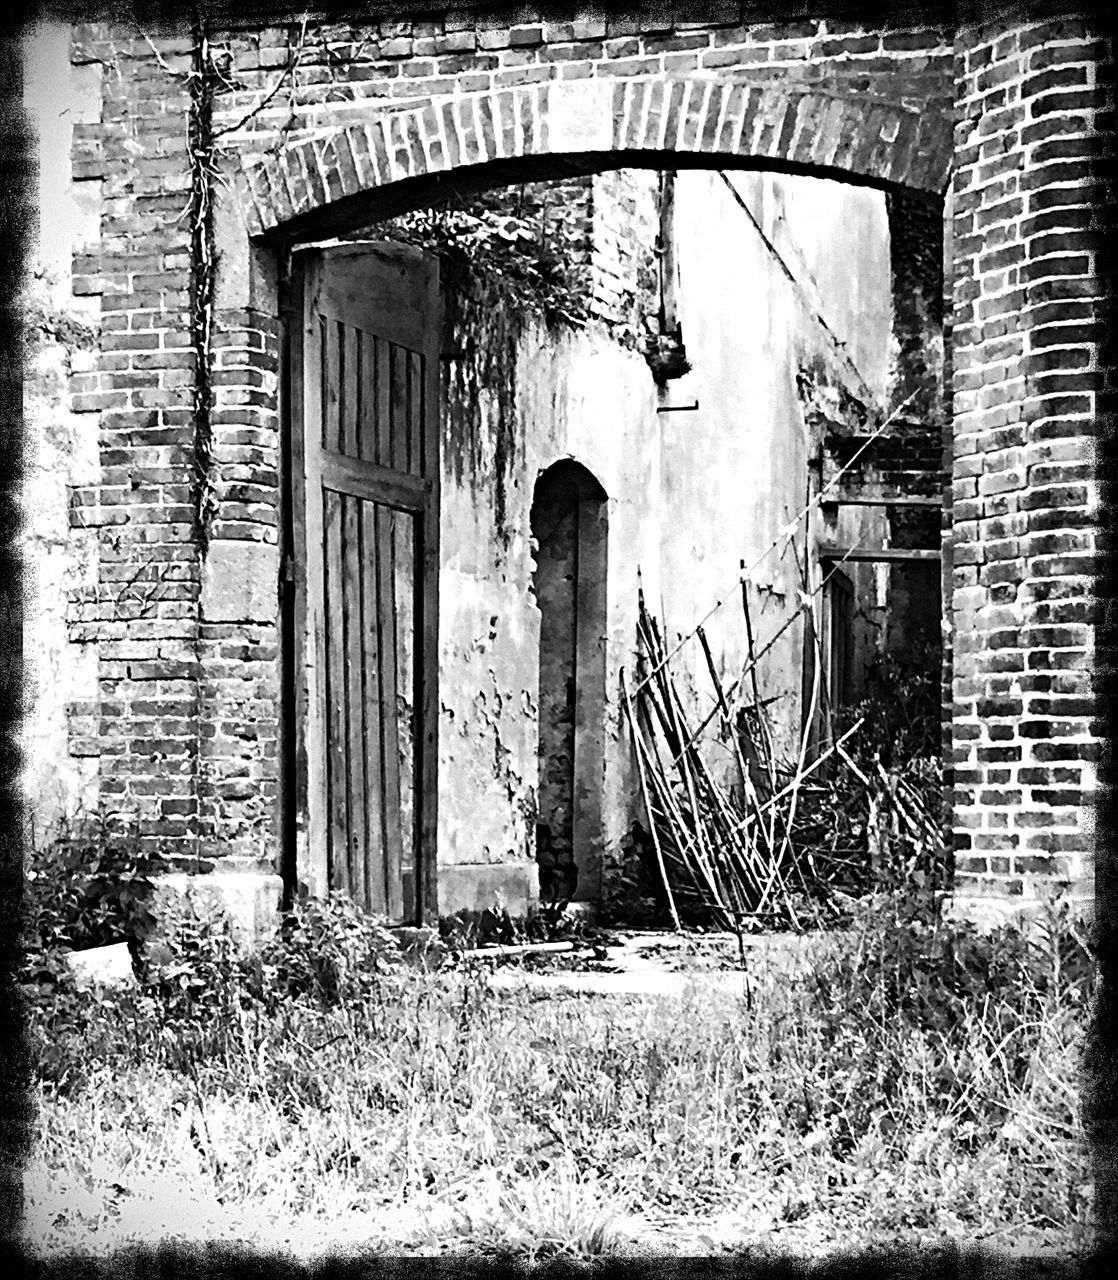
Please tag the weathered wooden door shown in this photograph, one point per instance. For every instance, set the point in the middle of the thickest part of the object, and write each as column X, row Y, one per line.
column 366, row 546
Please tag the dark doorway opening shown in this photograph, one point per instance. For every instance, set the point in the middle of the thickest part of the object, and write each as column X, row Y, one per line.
column 568, row 523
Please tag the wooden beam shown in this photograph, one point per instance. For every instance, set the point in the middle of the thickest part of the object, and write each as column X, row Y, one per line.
column 868, row 555
column 373, row 483
column 912, row 500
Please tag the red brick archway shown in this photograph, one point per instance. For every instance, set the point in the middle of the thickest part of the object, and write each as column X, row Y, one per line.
column 355, row 171
column 858, row 138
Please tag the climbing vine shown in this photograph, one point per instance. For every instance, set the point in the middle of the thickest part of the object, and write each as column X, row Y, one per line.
column 481, row 389
column 209, row 75
column 533, row 263
column 201, row 148
column 502, row 268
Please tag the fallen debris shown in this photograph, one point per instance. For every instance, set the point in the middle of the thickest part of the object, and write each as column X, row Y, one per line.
column 780, row 845
column 109, row 966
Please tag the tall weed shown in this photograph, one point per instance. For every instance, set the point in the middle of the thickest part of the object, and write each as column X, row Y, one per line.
column 88, row 885
column 916, row 1077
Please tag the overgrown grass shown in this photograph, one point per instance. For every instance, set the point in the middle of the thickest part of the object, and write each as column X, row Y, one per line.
column 917, row 1082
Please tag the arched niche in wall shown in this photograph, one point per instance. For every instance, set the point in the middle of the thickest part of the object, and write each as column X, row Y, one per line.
column 569, row 529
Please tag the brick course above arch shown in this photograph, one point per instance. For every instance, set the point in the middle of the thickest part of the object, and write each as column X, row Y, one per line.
column 684, row 120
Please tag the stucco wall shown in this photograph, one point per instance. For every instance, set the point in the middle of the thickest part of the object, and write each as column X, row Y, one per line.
column 61, row 447
column 692, row 492
column 579, row 396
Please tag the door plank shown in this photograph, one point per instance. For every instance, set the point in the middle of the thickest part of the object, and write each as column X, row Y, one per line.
column 375, row 878
column 415, row 413
column 349, row 409
column 331, row 386
column 384, row 404
column 356, row 789
column 400, row 417
column 390, row 741
column 336, row 793
column 367, row 393
column 347, row 475
column 305, row 422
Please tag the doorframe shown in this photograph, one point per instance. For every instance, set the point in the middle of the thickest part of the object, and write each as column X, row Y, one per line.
column 300, row 866
column 292, row 602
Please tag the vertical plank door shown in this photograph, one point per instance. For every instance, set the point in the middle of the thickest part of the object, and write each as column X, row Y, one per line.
column 365, row 464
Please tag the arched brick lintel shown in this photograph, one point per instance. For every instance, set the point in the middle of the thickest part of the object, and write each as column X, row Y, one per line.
column 681, row 122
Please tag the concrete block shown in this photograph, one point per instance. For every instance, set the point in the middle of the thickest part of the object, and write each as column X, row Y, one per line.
column 510, row 886
column 585, row 913
column 246, row 274
column 989, row 913
column 240, row 582
column 102, row 966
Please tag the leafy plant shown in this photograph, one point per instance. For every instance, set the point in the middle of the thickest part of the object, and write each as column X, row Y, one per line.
column 530, row 256
column 194, row 964
column 329, row 949
column 89, row 886
column 901, row 709
column 874, row 815
column 935, row 977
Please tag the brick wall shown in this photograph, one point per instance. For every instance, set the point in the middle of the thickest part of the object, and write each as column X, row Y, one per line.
column 186, row 721
column 142, row 611
column 1026, row 335
column 625, row 279
column 395, row 63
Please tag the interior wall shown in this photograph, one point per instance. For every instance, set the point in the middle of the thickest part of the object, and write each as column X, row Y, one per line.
column 693, row 491
column 774, row 318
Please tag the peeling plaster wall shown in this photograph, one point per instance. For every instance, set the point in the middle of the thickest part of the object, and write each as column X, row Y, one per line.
column 579, row 396
column 61, row 751
column 766, row 298
column 690, row 493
